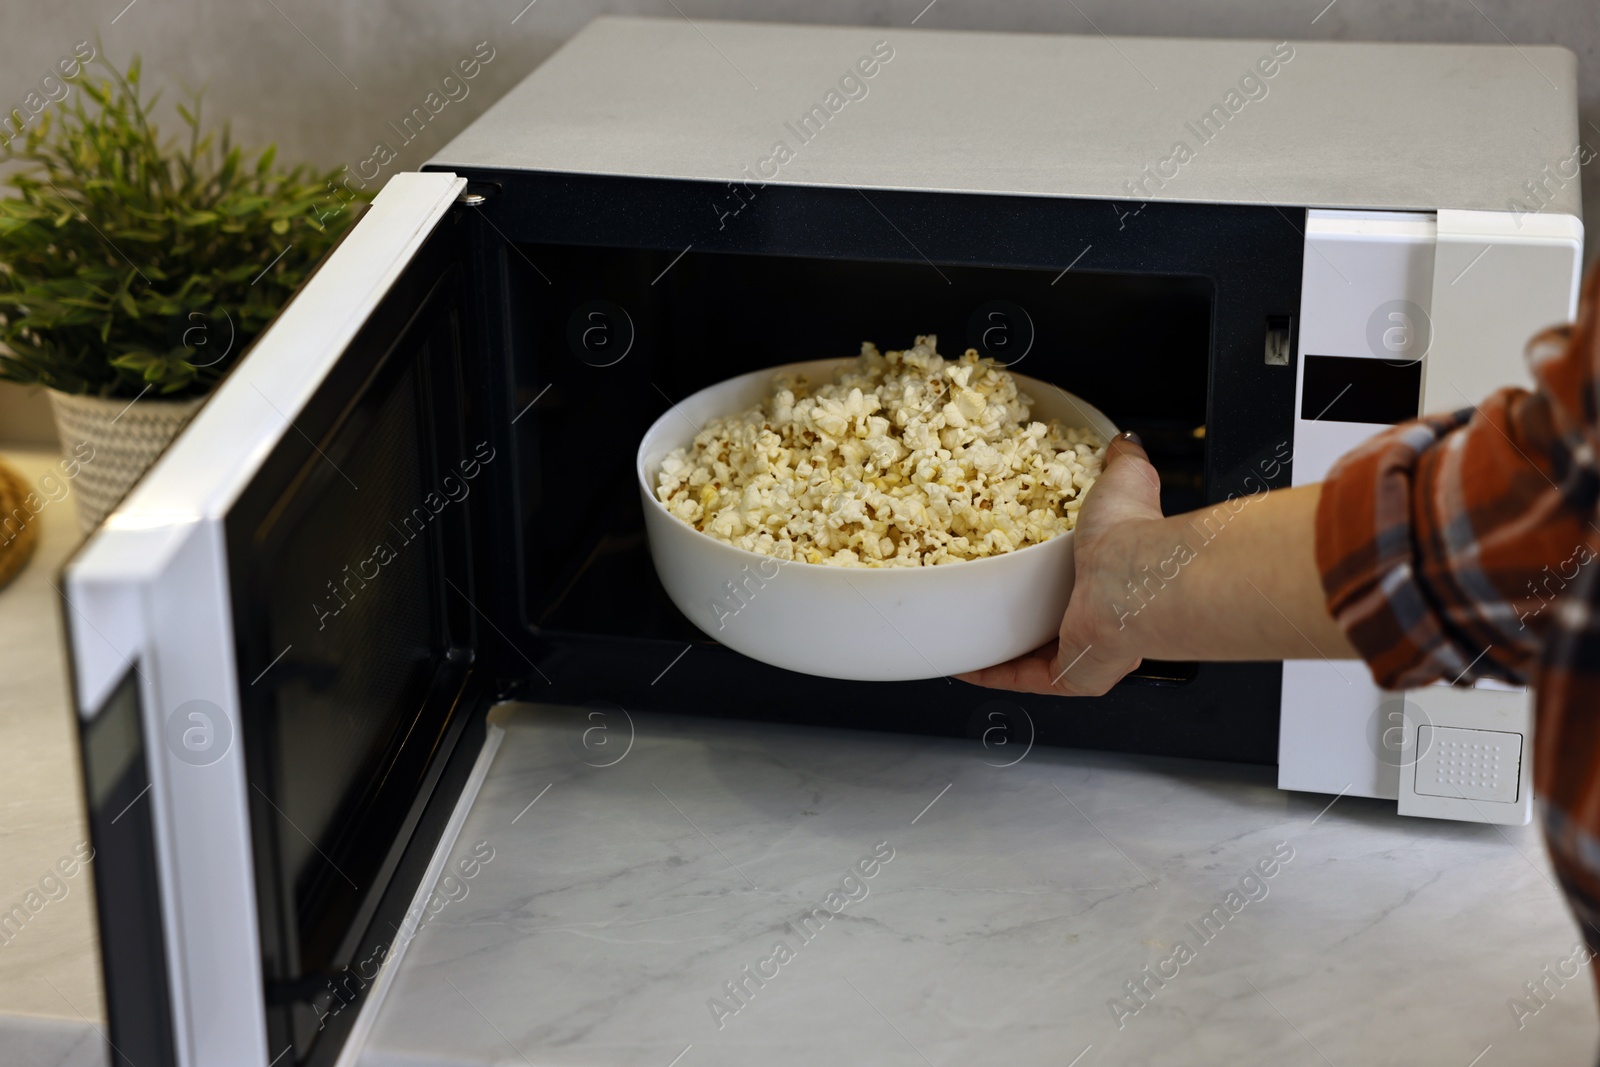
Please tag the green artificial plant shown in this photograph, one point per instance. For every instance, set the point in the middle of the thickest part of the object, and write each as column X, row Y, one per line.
column 129, row 264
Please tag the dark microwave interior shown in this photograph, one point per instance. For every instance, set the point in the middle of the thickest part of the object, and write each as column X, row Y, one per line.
column 611, row 339
column 615, row 302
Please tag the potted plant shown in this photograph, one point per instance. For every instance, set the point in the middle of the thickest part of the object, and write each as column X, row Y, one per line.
column 135, row 270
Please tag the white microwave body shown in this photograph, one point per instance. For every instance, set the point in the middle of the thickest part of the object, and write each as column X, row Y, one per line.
column 286, row 638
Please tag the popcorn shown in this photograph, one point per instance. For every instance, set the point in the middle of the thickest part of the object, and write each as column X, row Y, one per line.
column 905, row 459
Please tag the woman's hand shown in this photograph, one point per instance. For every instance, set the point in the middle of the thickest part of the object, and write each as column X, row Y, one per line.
column 1094, row 649
column 1236, row 580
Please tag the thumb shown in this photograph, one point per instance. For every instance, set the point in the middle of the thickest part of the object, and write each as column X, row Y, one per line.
column 1128, row 486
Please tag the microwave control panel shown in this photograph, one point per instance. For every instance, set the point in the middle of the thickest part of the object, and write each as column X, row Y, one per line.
column 1401, row 313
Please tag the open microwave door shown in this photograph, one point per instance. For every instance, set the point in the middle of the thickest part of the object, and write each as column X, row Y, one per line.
column 272, row 660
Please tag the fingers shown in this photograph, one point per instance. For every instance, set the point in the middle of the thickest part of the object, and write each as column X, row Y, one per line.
column 1126, row 443
column 1128, row 487
column 1092, row 658
column 1028, row 673
column 1046, row 672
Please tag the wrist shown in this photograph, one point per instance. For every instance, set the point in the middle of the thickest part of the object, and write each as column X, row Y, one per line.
column 1119, row 572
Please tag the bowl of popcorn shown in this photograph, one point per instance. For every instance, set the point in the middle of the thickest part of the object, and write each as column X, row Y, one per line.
column 894, row 516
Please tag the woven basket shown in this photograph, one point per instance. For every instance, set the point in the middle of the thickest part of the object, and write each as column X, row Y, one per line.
column 18, row 528
column 114, row 442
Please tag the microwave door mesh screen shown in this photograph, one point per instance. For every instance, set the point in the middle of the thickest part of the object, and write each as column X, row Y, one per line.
column 362, row 648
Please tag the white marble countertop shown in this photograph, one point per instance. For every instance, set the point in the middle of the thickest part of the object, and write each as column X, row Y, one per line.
column 50, row 998
column 1018, row 905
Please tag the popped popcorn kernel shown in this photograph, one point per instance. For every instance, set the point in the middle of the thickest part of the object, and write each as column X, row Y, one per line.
column 904, row 459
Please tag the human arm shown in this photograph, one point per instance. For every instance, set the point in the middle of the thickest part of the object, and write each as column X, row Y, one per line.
column 1235, row 581
column 1439, row 549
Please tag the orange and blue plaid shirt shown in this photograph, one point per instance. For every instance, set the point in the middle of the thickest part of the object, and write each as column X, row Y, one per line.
column 1463, row 546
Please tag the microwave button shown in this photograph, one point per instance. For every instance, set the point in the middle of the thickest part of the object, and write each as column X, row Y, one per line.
column 1468, row 764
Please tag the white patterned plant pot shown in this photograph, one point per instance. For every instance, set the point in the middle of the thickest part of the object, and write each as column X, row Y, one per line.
column 112, row 441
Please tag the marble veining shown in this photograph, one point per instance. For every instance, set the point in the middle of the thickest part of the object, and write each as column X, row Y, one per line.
column 1075, row 908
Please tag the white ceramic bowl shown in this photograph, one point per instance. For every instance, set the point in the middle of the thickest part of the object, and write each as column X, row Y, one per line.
column 868, row 624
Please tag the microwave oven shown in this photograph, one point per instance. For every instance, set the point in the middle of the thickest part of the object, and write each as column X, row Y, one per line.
column 412, row 498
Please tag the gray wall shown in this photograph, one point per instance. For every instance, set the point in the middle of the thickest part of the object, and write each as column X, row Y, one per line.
column 324, row 78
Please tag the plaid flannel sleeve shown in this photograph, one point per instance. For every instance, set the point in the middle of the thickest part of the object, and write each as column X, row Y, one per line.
column 1446, row 544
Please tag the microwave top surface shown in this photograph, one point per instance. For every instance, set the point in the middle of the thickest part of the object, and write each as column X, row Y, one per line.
column 1301, row 123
